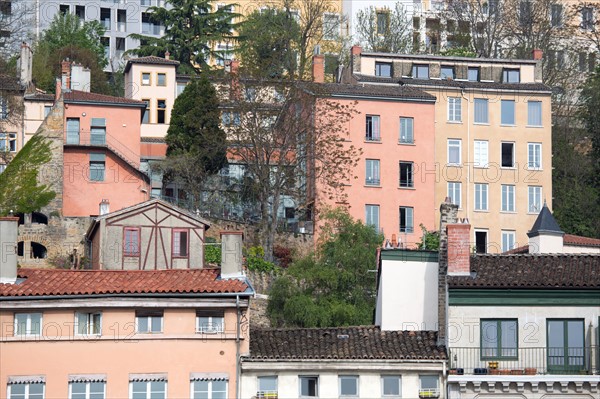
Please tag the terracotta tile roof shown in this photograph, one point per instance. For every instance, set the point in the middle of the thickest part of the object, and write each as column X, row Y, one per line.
column 570, row 239
column 358, row 90
column 86, row 97
column 350, row 343
column 56, row 282
column 556, row 271
column 150, row 60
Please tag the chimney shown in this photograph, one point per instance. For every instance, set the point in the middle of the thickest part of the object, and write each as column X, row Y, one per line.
column 104, row 207
column 537, row 54
column 9, row 227
column 26, row 64
column 80, row 78
column 58, row 89
column 318, row 68
column 234, row 70
column 66, row 74
column 459, row 248
column 167, row 55
column 231, row 254
column 355, row 54
column 448, row 215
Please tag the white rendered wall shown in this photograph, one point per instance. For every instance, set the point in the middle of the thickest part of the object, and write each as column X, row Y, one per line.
column 546, row 244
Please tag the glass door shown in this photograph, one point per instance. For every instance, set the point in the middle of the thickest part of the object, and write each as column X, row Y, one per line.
column 566, row 346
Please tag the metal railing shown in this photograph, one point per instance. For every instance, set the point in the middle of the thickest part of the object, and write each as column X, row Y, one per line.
column 266, row 395
column 519, row 361
column 87, row 138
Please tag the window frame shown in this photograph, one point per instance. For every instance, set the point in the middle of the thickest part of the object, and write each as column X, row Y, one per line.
column 535, row 162
column 408, row 127
column 178, row 255
column 481, row 102
column 97, row 166
column 372, row 128
column 535, row 193
column 367, row 218
column 513, row 162
column 482, row 196
column 378, row 69
column 509, row 74
column 418, row 69
column 565, row 347
column 212, row 326
column 507, row 201
column 9, row 141
column 408, row 227
column 454, row 108
column 451, row 192
column 127, row 252
column 532, row 114
column 508, row 233
column 331, row 33
column 437, row 388
column 90, row 323
column 444, row 75
column 454, row 144
column 393, row 395
column 142, row 73
column 499, row 347
column 373, row 174
column 266, row 392
column 210, row 389
column 353, row 378
column 87, row 388
column 27, row 394
column 158, row 75
column 149, row 315
column 147, row 114
column 478, row 72
column 513, row 116
column 28, row 324
column 410, row 181
column 148, row 388
column 478, row 156
column 161, row 109
column 308, row 378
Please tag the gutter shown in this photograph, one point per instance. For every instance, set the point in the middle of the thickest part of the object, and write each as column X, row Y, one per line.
column 105, row 104
column 248, row 293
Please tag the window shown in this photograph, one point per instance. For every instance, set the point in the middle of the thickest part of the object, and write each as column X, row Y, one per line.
column 508, row 155
column 480, row 149
column 309, row 387
column 161, row 79
column 47, row 109
column 480, row 110
column 72, row 130
column 8, row 142
column 64, row 9
column 148, row 26
column 508, row 198
column 149, row 390
column 229, row 118
column 146, row 79
column 210, row 322
column 391, row 385
column 149, row 321
column 473, row 74
column 447, row 72
column 180, row 243
column 97, row 167
column 454, row 152
column 406, row 219
column 26, row 391
column 98, row 131
column 105, row 41
column 481, row 241
column 331, row 26
column 406, row 174
column 534, row 155
column 507, row 112
column 383, row 22
column 566, row 345
column 250, row 94
column 454, row 109
column 28, row 324
column 161, row 111
column 88, row 323
column 534, row 199
column 525, row 13
column 454, row 191
column 383, row 69
column 267, row 387
column 3, row 108
column 105, row 18
column 508, row 240
column 372, row 216
column 498, row 339
column 420, row 71
column 372, row 173
column 146, row 116
column 481, row 196
column 180, row 88
column 511, row 75
column 213, row 389
column 534, row 113
column 131, row 241
column 587, row 18
column 406, row 130
column 556, row 15
column 87, row 390
column 428, row 386
column 122, row 22
column 372, row 129
column 348, row 385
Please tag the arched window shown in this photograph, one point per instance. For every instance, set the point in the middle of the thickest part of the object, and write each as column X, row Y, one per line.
column 37, row 217
column 38, row 251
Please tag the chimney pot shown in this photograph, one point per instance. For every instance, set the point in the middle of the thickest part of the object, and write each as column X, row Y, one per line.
column 356, row 50
column 537, row 54
column 167, row 55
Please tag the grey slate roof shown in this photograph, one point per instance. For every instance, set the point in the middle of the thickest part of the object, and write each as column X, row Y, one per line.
column 545, row 223
column 358, row 90
column 343, row 343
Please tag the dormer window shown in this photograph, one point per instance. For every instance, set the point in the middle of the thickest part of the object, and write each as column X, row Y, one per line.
column 447, row 72
column 511, row 75
column 473, row 74
column 420, row 71
column 383, row 69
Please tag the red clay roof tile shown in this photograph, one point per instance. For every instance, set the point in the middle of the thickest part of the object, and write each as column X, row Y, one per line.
column 84, row 96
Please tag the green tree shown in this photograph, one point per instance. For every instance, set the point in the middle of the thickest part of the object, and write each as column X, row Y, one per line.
column 19, row 188
column 270, row 39
column 336, row 285
column 192, row 28
column 384, row 30
column 196, row 143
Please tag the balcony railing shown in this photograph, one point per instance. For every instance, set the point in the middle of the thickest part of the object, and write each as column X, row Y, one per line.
column 519, row 361
column 266, row 395
column 94, row 139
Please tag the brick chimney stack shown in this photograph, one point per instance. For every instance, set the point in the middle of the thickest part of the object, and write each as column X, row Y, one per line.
column 66, row 74
column 537, row 54
column 355, row 54
column 167, row 55
column 459, row 248
column 234, row 72
column 318, row 68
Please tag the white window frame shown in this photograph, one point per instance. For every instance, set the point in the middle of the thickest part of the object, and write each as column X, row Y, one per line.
column 481, row 191
column 481, row 154
column 374, row 121
column 432, row 392
column 372, row 172
column 367, row 208
column 399, row 379
column 356, row 385
column 210, row 389
column 149, row 316
column 9, row 142
column 409, row 227
column 455, row 187
column 455, row 143
column 407, row 130
column 481, row 101
column 300, row 378
column 534, row 156
column 215, row 322
column 266, row 393
column 507, row 198
column 87, row 388
column 90, row 324
column 28, row 323
column 508, row 240
column 454, row 109
column 148, row 390
column 9, row 393
column 534, row 199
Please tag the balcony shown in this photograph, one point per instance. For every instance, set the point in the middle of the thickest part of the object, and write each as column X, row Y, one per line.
column 525, row 361
column 105, row 140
